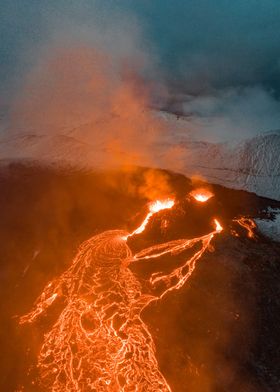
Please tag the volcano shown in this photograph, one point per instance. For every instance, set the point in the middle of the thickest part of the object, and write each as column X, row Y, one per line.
column 251, row 164
column 90, row 302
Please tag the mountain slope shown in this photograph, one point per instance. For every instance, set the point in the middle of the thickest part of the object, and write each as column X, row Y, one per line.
column 252, row 165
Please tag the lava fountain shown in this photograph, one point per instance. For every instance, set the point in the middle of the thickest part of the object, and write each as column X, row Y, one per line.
column 154, row 207
column 201, row 195
column 99, row 341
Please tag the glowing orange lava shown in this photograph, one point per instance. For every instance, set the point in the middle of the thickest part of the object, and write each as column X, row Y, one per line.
column 154, row 207
column 99, row 341
column 201, row 194
column 248, row 224
column 219, row 227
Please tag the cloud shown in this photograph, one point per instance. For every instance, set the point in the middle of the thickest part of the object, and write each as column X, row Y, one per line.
column 222, row 54
column 232, row 113
column 213, row 45
column 93, row 83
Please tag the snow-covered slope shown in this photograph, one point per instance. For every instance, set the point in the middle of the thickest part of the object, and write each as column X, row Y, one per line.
column 270, row 227
column 49, row 149
column 252, row 165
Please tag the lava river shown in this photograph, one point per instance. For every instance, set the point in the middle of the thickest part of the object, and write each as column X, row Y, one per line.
column 99, row 341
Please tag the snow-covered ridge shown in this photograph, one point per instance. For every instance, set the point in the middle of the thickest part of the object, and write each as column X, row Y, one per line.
column 252, row 165
column 60, row 149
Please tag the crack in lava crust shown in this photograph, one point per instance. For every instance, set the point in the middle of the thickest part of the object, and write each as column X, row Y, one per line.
column 99, row 341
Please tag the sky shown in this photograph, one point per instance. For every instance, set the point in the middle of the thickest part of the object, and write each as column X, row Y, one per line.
column 217, row 62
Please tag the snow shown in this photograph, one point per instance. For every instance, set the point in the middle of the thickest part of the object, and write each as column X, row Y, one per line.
column 270, row 228
column 252, row 165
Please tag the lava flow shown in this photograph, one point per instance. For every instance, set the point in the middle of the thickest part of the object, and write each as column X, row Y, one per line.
column 154, row 207
column 99, row 341
column 248, row 224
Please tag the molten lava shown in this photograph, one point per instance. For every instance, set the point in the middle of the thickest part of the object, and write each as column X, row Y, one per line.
column 154, row 207
column 248, row 224
column 201, row 195
column 99, row 341
column 219, row 228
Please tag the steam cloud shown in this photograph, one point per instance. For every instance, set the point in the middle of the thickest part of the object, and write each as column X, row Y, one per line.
column 218, row 64
column 94, row 84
